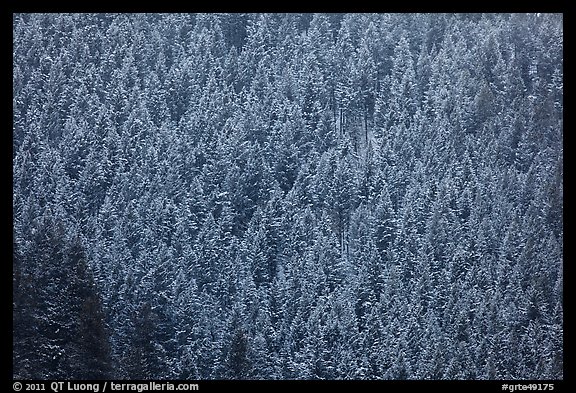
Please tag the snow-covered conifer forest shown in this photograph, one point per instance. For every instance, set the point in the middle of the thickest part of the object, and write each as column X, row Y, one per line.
column 288, row 196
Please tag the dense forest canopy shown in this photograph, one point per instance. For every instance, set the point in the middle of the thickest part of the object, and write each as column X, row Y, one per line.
column 288, row 196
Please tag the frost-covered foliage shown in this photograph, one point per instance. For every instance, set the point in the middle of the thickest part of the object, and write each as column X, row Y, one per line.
column 288, row 196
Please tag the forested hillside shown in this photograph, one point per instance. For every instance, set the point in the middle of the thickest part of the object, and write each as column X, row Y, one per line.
column 288, row 196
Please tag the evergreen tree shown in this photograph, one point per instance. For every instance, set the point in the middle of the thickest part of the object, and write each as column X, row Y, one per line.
column 59, row 325
column 301, row 196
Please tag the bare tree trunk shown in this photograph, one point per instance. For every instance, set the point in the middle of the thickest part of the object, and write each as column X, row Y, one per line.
column 334, row 112
column 366, row 126
column 341, row 122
